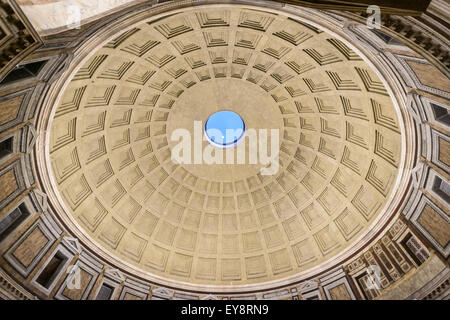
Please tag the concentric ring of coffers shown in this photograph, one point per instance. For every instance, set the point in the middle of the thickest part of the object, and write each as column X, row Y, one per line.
column 110, row 147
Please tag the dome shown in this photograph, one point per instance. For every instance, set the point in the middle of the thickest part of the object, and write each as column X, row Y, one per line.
column 221, row 225
column 226, row 150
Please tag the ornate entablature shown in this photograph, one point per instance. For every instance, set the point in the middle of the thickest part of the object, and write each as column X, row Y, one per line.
column 87, row 179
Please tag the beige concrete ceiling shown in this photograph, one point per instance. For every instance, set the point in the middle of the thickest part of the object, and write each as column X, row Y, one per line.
column 51, row 16
column 225, row 224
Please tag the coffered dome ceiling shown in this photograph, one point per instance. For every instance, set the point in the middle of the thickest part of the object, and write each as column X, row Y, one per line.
column 221, row 225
